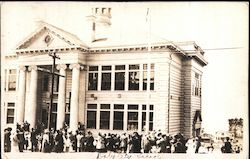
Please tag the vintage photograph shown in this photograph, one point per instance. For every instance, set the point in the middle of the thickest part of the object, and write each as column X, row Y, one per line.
column 124, row 80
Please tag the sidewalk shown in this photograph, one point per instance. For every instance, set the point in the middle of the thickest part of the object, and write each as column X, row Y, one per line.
column 95, row 155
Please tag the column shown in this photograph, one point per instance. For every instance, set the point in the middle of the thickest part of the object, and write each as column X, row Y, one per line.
column 21, row 94
column 74, row 96
column 61, row 97
column 32, row 104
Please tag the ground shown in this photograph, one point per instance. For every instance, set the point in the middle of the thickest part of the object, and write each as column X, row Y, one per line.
column 95, row 155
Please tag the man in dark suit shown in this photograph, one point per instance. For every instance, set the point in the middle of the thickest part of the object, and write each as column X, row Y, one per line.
column 33, row 140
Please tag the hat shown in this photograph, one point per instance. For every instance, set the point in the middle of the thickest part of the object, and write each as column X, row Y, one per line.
column 46, row 131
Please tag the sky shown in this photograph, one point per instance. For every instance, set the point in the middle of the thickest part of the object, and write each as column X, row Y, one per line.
column 212, row 25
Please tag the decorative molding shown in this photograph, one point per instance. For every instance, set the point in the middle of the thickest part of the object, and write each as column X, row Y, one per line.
column 61, row 66
column 33, row 67
column 75, row 65
column 22, row 68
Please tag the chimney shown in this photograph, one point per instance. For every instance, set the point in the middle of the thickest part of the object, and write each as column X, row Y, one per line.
column 100, row 22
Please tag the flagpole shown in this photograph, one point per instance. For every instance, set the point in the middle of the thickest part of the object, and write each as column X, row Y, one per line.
column 148, row 63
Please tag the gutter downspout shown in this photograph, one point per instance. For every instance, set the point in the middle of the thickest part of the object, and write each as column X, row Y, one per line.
column 169, row 82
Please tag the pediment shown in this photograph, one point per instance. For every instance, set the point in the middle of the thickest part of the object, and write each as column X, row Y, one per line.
column 49, row 36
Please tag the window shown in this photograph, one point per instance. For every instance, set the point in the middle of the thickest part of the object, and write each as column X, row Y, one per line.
column 143, row 128
column 45, row 82
column 134, row 76
column 196, row 85
column 93, row 78
column 152, row 77
column 56, row 83
column 104, row 116
column 10, row 113
column 145, row 76
column 53, row 115
column 144, row 119
column 132, row 117
column 91, row 116
column 67, row 113
column 12, row 80
column 118, row 116
column 151, row 117
column 106, row 78
column 119, row 77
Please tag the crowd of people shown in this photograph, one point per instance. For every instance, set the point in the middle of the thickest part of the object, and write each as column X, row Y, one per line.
column 64, row 140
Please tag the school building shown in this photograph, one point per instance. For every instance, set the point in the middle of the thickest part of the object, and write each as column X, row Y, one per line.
column 106, row 86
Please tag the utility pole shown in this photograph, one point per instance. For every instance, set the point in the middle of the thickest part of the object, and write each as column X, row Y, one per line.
column 54, row 56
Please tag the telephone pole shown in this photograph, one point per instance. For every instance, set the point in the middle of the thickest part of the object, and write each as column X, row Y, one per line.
column 54, row 56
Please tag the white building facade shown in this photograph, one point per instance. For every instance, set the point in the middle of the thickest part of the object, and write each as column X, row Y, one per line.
column 108, row 88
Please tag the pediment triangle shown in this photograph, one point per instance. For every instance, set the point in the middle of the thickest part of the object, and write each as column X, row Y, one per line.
column 48, row 36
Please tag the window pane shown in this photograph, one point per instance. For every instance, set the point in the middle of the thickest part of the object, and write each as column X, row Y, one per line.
column 133, row 107
column 145, row 80
column 132, row 120
column 151, row 121
column 151, row 126
column 151, row 115
column 152, row 80
column 143, row 125
column 104, row 119
column 106, row 81
column 10, row 112
column 134, row 80
column 119, row 80
column 93, row 68
column 151, row 107
column 118, row 120
column 45, row 82
column 67, row 108
column 10, row 120
column 120, row 67
column 93, row 81
column 144, row 107
column 54, row 107
column 152, row 66
column 134, row 67
column 145, row 66
column 106, row 68
column 11, row 104
column 91, row 119
column 105, row 106
column 12, row 82
column 10, row 116
column 118, row 106
column 92, row 106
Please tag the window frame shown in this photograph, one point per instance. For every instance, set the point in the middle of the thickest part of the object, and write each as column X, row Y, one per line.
column 95, row 73
column 14, row 111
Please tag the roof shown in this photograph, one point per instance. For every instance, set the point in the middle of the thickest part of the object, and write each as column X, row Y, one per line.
column 134, row 39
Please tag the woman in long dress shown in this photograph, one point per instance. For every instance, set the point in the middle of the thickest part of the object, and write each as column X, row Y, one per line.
column 14, row 142
column 191, row 146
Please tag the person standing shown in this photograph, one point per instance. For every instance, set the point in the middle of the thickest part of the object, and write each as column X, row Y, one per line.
column 198, row 144
column 123, row 143
column 100, row 143
column 227, row 146
column 20, row 137
column 7, row 142
column 89, row 143
column 33, row 140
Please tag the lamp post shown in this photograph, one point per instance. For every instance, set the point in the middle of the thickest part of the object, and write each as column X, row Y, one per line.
column 54, row 56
